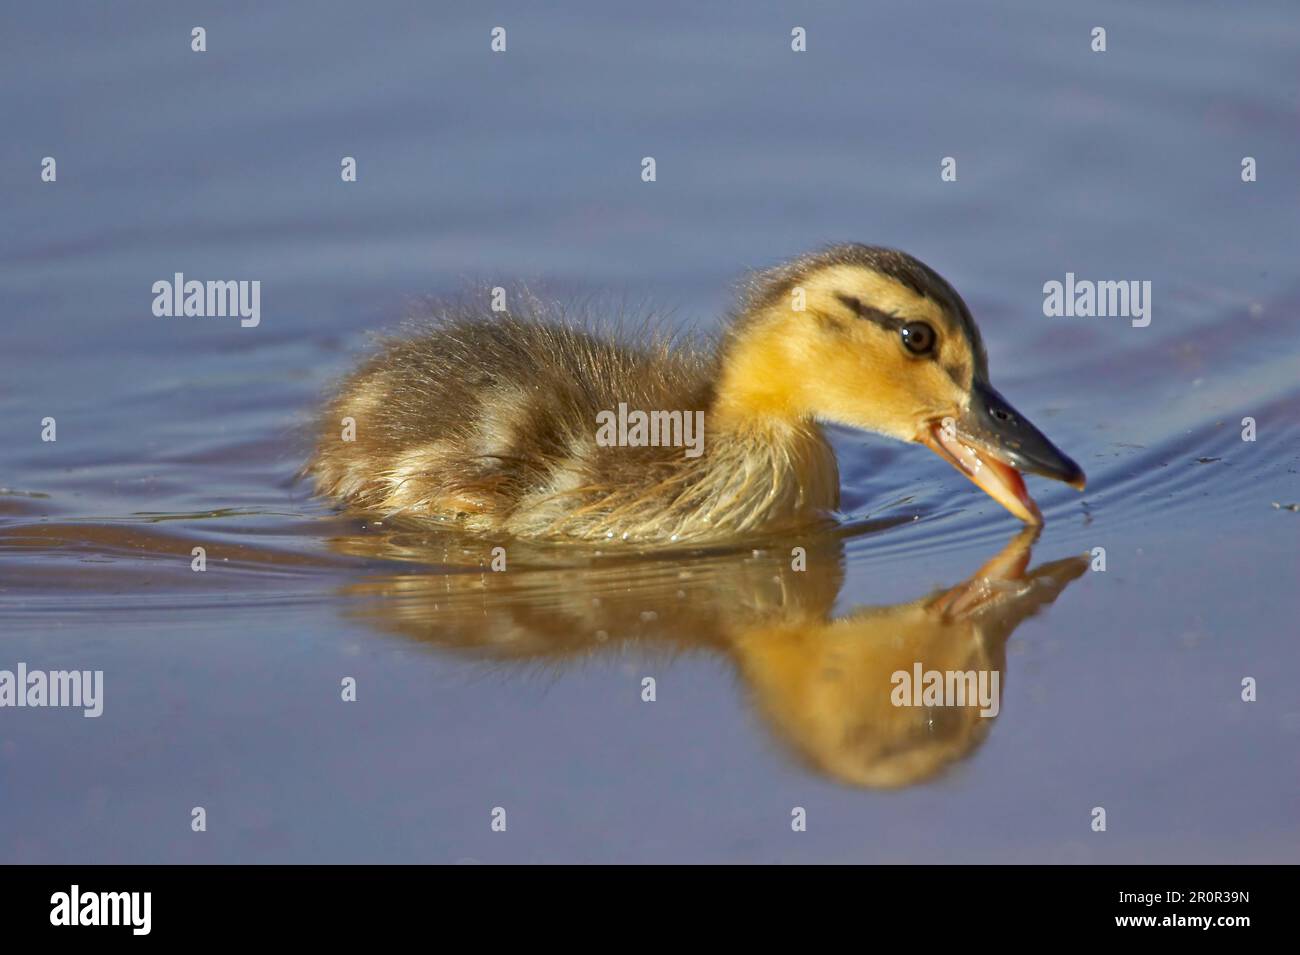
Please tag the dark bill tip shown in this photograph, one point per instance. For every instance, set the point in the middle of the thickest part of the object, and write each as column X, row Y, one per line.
column 1005, row 432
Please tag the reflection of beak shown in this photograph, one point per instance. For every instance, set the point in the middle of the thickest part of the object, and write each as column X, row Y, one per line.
column 991, row 443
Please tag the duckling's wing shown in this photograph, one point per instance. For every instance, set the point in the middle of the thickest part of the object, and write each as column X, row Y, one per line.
column 475, row 417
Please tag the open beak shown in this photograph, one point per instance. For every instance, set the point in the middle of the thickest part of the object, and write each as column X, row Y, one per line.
column 991, row 443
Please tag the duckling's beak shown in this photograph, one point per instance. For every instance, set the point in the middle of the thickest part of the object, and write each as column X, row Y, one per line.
column 991, row 443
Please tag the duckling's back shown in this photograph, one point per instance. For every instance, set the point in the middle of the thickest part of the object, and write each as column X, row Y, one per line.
column 491, row 421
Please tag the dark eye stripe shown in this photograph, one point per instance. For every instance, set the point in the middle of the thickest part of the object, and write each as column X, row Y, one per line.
column 883, row 319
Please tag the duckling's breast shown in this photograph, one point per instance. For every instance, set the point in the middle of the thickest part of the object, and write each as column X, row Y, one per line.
column 496, row 425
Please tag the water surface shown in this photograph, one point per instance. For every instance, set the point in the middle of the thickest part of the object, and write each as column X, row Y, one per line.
column 1121, row 689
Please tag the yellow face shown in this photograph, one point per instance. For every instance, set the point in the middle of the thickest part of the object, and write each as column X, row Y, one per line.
column 849, row 343
column 852, row 346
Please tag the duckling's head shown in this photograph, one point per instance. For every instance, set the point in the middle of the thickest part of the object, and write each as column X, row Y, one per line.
column 873, row 339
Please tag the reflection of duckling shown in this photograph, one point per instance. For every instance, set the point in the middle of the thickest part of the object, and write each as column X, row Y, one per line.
column 824, row 685
column 493, row 423
column 830, row 689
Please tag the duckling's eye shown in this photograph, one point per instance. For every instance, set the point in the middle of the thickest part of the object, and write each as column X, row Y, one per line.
column 919, row 337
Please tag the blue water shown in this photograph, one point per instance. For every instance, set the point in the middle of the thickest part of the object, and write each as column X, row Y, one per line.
column 478, row 690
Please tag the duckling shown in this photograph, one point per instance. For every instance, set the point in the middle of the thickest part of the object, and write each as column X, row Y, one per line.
column 494, row 423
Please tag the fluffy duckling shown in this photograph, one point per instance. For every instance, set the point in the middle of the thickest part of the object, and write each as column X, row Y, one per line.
column 505, row 423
